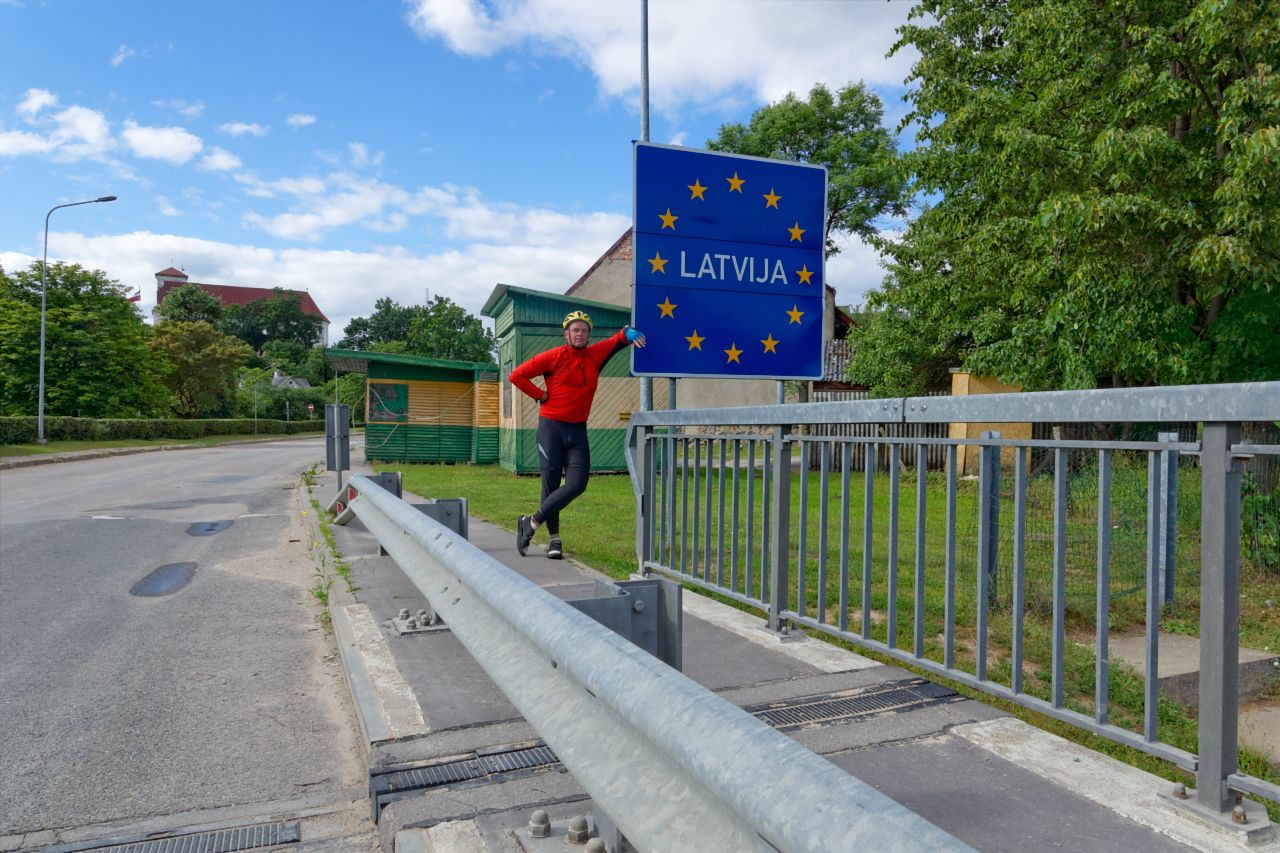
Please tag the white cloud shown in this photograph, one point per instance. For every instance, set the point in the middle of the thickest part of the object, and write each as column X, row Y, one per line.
column 241, row 128
column 345, row 284
column 36, row 100
column 703, row 51
column 190, row 109
column 855, row 271
column 166, row 207
column 122, row 53
column 171, row 144
column 300, row 120
column 355, row 201
column 68, row 135
column 219, row 160
column 360, row 155
column 15, row 143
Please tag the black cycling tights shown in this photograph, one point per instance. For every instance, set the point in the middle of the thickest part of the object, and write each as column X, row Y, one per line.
column 564, row 455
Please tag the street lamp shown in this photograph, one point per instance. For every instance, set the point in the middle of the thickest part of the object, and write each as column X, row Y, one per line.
column 44, row 287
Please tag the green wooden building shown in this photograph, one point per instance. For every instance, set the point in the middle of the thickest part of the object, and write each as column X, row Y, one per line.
column 527, row 322
column 425, row 409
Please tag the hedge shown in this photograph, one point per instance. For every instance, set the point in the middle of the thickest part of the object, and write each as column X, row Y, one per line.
column 23, row 430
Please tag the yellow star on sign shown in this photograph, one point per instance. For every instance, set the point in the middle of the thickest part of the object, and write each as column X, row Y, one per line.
column 735, row 184
column 658, row 263
column 733, row 352
column 770, row 345
column 795, row 230
column 669, row 221
column 804, row 272
column 697, row 190
column 795, row 314
column 695, row 341
column 668, row 310
column 771, row 200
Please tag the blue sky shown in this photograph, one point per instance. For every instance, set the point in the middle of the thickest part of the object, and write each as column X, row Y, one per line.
column 383, row 148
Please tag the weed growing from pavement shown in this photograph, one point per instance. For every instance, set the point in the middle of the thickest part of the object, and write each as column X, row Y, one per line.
column 326, row 558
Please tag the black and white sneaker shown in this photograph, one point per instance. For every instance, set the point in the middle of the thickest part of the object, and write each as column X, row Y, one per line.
column 524, row 533
column 555, row 550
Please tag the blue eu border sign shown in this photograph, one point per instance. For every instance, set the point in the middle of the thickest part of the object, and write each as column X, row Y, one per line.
column 729, row 268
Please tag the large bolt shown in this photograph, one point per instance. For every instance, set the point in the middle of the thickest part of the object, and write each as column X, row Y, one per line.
column 539, row 824
column 579, row 831
column 638, row 606
column 1238, row 815
column 423, row 617
column 595, row 845
column 410, row 624
column 403, row 614
column 1179, row 791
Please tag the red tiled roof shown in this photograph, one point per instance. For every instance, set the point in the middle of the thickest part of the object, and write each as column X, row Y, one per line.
column 229, row 294
column 171, row 272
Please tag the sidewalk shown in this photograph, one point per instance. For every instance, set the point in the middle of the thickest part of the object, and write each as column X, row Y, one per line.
column 431, row 716
column 77, row 455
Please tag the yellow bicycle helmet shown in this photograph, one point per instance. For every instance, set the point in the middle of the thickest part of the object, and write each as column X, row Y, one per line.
column 573, row 316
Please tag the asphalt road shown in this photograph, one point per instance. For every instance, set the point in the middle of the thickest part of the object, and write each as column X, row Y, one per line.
column 116, row 706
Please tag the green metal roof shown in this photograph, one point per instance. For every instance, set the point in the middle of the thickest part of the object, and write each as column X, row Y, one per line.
column 503, row 291
column 358, row 361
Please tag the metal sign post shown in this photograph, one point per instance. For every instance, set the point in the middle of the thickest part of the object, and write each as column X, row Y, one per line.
column 337, row 435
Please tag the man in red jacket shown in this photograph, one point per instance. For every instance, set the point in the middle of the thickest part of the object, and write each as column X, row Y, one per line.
column 570, row 374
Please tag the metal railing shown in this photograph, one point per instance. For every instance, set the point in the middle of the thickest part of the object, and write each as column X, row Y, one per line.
column 974, row 581
column 673, row 765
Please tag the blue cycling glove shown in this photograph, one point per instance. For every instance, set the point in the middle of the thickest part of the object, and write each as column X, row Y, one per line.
column 633, row 335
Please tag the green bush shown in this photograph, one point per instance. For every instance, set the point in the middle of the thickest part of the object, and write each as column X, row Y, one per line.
column 23, row 430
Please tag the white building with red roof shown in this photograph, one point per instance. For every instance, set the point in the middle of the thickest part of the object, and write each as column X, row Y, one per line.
column 229, row 294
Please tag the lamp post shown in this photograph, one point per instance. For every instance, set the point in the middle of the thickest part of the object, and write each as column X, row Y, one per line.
column 44, row 288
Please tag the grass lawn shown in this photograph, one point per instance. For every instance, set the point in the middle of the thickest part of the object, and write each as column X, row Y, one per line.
column 599, row 529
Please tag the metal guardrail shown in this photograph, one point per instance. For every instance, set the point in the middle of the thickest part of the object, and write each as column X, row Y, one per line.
column 673, row 765
column 743, row 525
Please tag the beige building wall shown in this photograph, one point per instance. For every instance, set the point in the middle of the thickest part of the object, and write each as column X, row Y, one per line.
column 610, row 280
column 967, row 455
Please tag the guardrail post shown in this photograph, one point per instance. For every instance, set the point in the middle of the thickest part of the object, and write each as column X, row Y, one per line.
column 780, row 535
column 1168, row 507
column 1219, row 614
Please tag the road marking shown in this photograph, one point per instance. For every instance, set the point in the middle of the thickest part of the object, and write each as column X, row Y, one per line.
column 109, row 518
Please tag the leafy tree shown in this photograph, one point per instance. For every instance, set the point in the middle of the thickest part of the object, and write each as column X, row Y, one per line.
column 201, row 364
column 256, row 395
column 1107, row 179
column 293, row 359
column 190, row 304
column 439, row 329
column 445, row 329
column 390, row 321
column 841, row 131
column 97, row 362
column 272, row 318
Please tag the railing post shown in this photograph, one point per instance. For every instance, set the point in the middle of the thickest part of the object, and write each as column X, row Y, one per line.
column 1168, row 507
column 644, row 461
column 1219, row 614
column 989, row 516
column 780, row 535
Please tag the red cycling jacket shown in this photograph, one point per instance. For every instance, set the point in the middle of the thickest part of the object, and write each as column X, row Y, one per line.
column 571, row 376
